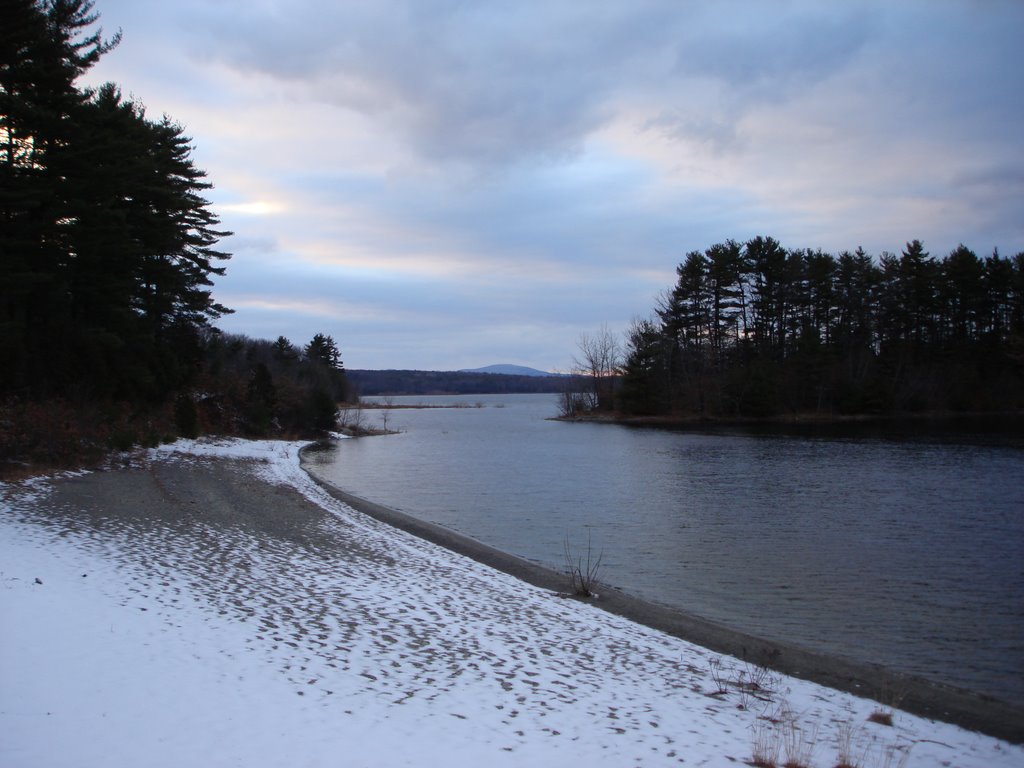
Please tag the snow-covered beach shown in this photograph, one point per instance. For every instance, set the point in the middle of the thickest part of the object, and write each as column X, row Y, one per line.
column 210, row 604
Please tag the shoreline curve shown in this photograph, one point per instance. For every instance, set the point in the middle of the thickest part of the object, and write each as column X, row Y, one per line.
column 974, row 711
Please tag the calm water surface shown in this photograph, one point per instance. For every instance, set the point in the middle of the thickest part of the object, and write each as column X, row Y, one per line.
column 906, row 552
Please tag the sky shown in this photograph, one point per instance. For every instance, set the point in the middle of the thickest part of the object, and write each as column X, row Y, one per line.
column 441, row 184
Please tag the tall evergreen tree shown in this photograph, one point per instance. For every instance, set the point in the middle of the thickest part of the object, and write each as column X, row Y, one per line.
column 323, row 349
column 767, row 261
column 962, row 294
column 918, row 294
column 686, row 318
column 107, row 244
column 44, row 48
column 998, row 283
column 645, row 371
column 725, row 273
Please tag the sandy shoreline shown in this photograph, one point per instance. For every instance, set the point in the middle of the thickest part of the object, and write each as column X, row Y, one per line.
column 922, row 697
column 212, row 605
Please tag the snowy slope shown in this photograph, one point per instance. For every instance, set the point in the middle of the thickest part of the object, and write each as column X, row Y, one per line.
column 202, row 644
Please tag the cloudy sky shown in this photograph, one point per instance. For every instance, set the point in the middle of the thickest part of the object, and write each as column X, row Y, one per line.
column 442, row 184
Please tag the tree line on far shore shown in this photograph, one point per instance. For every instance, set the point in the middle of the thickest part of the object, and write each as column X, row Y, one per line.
column 413, row 382
column 758, row 330
column 108, row 250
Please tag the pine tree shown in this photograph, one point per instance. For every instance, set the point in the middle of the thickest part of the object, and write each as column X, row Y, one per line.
column 44, row 48
column 107, row 248
column 323, row 349
column 284, row 350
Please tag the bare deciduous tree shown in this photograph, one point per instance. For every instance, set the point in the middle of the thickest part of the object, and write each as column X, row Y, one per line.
column 600, row 359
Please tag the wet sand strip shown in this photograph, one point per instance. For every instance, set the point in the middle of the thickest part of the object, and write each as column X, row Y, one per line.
column 950, row 704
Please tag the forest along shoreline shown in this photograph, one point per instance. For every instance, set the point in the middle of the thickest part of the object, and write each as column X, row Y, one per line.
column 961, row 707
column 997, row 422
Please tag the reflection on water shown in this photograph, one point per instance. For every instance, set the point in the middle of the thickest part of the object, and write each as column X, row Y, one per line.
column 907, row 552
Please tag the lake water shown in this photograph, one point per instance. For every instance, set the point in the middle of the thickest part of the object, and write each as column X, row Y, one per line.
column 904, row 550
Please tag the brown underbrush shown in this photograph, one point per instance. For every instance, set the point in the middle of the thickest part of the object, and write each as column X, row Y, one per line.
column 52, row 435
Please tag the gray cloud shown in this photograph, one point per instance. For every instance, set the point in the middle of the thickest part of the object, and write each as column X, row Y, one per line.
column 480, row 82
column 762, row 51
column 999, row 179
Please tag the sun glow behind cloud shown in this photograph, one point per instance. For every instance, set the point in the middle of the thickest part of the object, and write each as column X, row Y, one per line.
column 255, row 208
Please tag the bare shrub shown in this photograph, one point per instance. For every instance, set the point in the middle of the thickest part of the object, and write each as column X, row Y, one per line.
column 718, row 677
column 572, row 403
column 798, row 742
column 385, row 411
column 582, row 570
column 767, row 745
column 350, row 421
column 755, row 681
column 846, row 744
column 778, row 733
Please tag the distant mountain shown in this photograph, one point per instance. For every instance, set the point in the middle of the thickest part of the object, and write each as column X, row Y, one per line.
column 507, row 370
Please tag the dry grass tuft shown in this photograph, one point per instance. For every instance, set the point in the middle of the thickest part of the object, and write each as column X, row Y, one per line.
column 881, row 717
